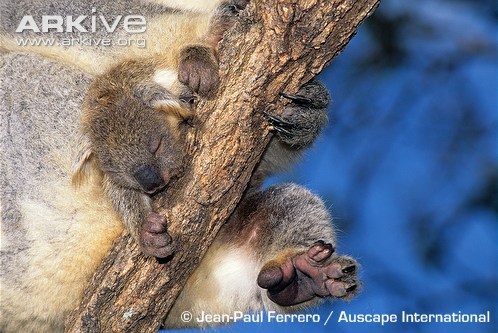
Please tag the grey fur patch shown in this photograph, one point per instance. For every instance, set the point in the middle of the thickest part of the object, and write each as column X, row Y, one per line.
column 281, row 217
column 39, row 107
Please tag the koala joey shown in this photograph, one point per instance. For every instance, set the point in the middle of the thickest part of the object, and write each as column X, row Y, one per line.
column 280, row 238
column 139, row 149
column 132, row 129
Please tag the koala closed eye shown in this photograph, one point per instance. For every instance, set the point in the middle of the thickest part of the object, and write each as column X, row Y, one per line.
column 154, row 144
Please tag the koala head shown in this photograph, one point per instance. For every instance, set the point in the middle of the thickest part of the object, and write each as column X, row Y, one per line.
column 132, row 132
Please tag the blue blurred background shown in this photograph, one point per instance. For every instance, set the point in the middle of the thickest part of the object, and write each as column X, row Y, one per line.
column 408, row 166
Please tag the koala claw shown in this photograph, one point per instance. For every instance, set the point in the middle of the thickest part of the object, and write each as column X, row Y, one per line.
column 154, row 238
column 298, row 99
column 281, row 126
column 277, row 121
column 285, row 129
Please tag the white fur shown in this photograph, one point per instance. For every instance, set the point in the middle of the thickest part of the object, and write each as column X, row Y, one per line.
column 224, row 282
column 166, row 78
column 237, row 272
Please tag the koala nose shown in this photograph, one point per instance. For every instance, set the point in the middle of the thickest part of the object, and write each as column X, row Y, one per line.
column 149, row 179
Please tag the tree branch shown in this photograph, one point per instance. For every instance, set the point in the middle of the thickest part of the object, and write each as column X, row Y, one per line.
column 278, row 45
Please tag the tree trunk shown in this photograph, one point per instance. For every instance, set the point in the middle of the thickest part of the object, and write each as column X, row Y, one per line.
column 277, row 46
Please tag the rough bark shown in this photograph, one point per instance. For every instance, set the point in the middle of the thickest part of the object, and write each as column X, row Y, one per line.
column 277, row 46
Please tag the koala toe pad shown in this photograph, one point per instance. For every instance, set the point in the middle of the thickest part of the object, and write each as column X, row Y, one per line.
column 314, row 273
column 154, row 238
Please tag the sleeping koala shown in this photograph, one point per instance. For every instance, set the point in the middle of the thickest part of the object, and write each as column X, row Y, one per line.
column 127, row 144
column 132, row 128
column 275, row 252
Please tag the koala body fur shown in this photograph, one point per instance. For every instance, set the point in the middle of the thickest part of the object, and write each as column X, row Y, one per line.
column 171, row 26
column 54, row 235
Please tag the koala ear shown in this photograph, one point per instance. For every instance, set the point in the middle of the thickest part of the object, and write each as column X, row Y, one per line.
column 157, row 97
column 83, row 163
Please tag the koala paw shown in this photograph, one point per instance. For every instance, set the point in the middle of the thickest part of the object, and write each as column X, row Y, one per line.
column 198, row 69
column 154, row 239
column 317, row 272
column 303, row 119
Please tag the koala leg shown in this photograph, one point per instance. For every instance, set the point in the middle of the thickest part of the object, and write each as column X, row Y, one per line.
column 297, row 128
column 282, row 239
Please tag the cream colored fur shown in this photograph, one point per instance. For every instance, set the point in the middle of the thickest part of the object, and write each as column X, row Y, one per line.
column 226, row 282
column 207, row 6
column 166, row 35
column 59, row 266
